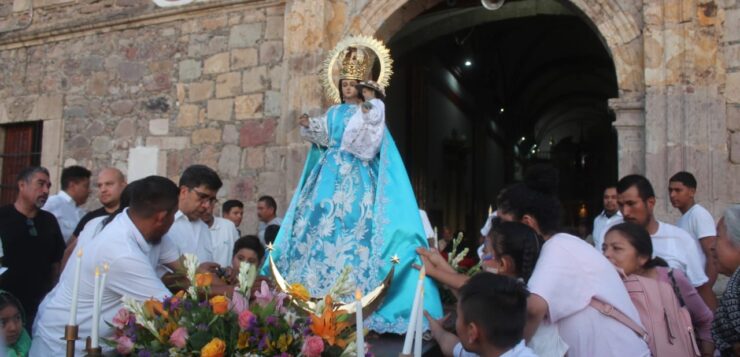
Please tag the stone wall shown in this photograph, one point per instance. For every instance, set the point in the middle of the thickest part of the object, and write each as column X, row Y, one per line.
column 199, row 84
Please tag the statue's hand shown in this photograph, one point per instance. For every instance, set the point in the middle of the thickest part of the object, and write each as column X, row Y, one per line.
column 303, row 120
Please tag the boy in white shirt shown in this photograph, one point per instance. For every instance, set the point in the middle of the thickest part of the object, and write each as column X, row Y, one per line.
column 491, row 314
column 698, row 222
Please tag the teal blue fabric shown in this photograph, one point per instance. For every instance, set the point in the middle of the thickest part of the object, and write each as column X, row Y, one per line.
column 359, row 213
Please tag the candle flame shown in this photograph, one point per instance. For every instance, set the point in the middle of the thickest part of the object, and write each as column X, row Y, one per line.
column 97, row 271
column 358, row 294
column 490, row 210
column 79, row 253
column 106, row 267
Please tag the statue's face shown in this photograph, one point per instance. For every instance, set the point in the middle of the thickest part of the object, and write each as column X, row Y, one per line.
column 349, row 90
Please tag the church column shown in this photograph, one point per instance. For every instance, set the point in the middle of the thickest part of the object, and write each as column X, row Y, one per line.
column 630, row 126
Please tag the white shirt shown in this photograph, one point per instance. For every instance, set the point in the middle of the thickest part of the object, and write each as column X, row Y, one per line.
column 680, row 251
column 188, row 234
column 568, row 274
column 520, row 350
column 163, row 253
column 121, row 245
column 602, row 223
column 63, row 207
column 261, row 235
column 700, row 224
column 220, row 247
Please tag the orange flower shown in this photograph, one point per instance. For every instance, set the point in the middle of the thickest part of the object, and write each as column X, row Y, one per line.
column 298, row 291
column 243, row 341
column 203, row 280
column 326, row 325
column 220, row 304
column 154, row 308
column 167, row 330
column 215, row 348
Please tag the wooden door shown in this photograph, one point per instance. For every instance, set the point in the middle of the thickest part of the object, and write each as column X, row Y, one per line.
column 22, row 148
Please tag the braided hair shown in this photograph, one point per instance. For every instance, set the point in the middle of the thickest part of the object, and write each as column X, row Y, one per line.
column 518, row 241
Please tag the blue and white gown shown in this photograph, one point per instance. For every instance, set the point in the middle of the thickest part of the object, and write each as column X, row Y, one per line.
column 350, row 211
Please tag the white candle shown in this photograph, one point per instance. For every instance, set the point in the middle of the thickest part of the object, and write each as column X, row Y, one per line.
column 102, row 285
column 436, row 238
column 96, row 312
column 414, row 310
column 360, row 334
column 75, row 290
column 419, row 326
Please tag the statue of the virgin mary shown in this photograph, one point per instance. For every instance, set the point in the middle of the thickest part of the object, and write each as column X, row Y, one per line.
column 351, row 211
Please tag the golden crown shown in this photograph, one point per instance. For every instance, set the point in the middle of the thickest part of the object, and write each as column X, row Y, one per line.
column 355, row 56
column 355, row 63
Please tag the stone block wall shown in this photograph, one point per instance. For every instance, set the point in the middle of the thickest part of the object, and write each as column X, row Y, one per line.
column 198, row 86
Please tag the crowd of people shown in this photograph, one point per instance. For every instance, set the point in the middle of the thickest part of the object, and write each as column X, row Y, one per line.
column 627, row 297
column 133, row 232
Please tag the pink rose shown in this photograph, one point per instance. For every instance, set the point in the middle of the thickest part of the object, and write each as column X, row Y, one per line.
column 179, row 338
column 121, row 319
column 125, row 345
column 246, row 319
column 312, row 346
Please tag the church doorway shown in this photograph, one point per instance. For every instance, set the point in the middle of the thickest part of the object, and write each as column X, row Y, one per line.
column 479, row 95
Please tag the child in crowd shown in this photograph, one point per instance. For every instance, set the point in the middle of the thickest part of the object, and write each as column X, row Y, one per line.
column 511, row 249
column 12, row 322
column 629, row 247
column 491, row 314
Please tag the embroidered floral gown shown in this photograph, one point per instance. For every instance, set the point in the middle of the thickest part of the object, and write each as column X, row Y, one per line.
column 350, row 211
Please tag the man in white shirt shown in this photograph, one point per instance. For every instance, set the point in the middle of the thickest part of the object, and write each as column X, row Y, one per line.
column 220, row 247
column 124, row 245
column 636, row 201
column 607, row 218
column 233, row 210
column 698, row 222
column 65, row 205
column 267, row 215
column 198, row 187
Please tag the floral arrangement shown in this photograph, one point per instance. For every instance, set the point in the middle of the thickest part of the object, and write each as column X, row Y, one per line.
column 194, row 323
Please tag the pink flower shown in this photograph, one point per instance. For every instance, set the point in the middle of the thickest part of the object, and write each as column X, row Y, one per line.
column 238, row 303
column 312, row 346
column 179, row 338
column 264, row 295
column 246, row 319
column 121, row 319
column 125, row 345
column 280, row 300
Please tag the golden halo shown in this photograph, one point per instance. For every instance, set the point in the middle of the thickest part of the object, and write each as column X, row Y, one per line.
column 382, row 53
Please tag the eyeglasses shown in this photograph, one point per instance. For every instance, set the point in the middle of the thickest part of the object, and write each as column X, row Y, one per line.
column 31, row 228
column 204, row 197
column 14, row 319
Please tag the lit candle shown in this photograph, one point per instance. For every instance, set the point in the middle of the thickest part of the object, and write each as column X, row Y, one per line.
column 436, row 238
column 360, row 334
column 96, row 312
column 490, row 210
column 414, row 310
column 75, row 290
column 419, row 325
column 102, row 285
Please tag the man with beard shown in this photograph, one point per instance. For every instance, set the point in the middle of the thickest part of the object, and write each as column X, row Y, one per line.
column 32, row 242
column 124, row 247
column 636, row 199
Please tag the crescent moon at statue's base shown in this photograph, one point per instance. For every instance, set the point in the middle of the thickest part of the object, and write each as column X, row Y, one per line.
column 370, row 302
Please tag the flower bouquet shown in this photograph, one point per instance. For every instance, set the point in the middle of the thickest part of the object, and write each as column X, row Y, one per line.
column 194, row 323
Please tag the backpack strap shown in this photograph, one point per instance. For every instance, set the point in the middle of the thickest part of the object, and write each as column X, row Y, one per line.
column 614, row 313
column 676, row 290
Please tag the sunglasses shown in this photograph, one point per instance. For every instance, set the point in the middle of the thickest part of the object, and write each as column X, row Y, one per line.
column 31, row 228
